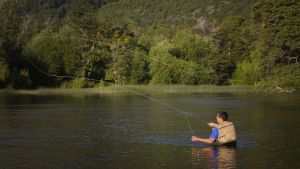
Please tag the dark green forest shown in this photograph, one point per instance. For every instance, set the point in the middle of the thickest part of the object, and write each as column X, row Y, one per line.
column 88, row 43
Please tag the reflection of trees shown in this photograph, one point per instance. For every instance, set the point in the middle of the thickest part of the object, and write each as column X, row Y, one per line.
column 215, row 157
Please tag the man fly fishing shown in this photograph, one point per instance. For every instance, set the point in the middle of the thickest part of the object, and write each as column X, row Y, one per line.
column 223, row 132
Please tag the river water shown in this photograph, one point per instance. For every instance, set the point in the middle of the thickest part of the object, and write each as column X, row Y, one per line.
column 128, row 131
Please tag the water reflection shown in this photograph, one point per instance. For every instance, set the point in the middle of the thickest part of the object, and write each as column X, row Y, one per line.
column 214, row 157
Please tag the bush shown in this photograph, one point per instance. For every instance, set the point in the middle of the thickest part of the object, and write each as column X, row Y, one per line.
column 190, row 46
column 59, row 52
column 139, row 68
column 76, row 83
column 170, row 70
column 166, row 67
column 247, row 73
column 102, row 84
column 282, row 78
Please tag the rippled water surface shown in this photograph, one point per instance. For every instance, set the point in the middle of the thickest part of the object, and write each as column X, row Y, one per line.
column 129, row 131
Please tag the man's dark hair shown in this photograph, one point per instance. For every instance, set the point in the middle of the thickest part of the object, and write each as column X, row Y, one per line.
column 223, row 115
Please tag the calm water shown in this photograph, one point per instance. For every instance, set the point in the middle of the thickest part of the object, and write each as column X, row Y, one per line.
column 131, row 132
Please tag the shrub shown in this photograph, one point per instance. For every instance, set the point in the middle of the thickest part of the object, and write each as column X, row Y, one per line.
column 247, row 73
column 283, row 78
column 76, row 83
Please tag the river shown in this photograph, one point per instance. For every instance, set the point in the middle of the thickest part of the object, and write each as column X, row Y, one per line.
column 128, row 131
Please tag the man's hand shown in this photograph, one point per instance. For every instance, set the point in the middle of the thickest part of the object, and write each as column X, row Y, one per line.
column 194, row 138
column 203, row 140
column 211, row 124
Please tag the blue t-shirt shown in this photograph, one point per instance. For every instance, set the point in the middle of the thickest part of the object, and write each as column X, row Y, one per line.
column 215, row 133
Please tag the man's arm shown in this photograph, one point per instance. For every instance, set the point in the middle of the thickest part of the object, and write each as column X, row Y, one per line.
column 203, row 140
column 211, row 124
column 213, row 136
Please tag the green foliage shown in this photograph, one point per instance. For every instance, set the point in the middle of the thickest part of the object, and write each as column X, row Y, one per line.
column 235, row 38
column 154, row 34
column 171, row 13
column 223, row 69
column 139, row 68
column 102, row 84
column 58, row 52
column 282, row 76
column 64, row 53
column 81, row 16
column 279, row 22
column 75, row 84
column 190, row 46
column 289, row 75
column 165, row 68
column 278, row 43
column 178, row 71
column 69, row 49
column 140, row 42
column 129, row 63
column 247, row 73
column 129, row 67
column 96, row 61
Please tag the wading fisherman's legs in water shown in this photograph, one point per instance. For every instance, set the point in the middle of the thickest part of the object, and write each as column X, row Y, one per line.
column 223, row 132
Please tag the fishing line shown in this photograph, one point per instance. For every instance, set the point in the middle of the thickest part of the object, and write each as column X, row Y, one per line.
column 164, row 104
column 124, row 88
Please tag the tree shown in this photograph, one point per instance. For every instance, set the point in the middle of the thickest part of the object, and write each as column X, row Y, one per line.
column 139, row 68
column 96, row 62
column 58, row 53
column 223, row 69
column 166, row 68
column 246, row 73
column 190, row 46
column 235, row 38
column 279, row 36
column 123, row 45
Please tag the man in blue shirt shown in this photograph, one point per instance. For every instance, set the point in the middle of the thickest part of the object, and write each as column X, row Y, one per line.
column 223, row 131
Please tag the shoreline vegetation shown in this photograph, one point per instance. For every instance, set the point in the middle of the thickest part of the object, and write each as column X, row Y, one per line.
column 76, row 44
column 143, row 89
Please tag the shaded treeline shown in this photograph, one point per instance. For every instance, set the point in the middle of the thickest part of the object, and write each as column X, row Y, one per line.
column 149, row 42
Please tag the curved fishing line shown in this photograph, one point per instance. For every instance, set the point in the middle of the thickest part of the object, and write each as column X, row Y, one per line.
column 130, row 90
column 124, row 88
column 162, row 103
column 166, row 105
column 57, row 76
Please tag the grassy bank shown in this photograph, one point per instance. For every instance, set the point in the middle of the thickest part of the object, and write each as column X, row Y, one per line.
column 149, row 89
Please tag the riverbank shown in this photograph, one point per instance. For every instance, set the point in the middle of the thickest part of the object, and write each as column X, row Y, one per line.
column 149, row 89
